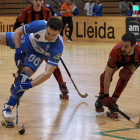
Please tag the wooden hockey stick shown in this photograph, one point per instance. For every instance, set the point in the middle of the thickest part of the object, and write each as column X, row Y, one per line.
column 83, row 96
column 137, row 124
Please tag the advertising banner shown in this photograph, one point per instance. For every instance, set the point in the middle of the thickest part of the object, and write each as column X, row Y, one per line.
column 133, row 26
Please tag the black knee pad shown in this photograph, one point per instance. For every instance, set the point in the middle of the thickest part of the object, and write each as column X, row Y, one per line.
column 23, row 77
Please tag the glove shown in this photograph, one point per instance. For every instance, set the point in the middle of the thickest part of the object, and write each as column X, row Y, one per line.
column 17, row 87
column 108, row 100
column 18, row 57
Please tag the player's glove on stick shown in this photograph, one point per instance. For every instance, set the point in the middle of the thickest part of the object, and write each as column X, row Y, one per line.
column 108, row 100
column 18, row 57
column 17, row 87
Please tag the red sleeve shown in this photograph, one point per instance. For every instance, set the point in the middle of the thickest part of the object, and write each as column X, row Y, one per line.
column 112, row 59
column 22, row 16
column 49, row 15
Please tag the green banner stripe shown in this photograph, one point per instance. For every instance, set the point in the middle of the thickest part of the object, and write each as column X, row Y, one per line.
column 103, row 133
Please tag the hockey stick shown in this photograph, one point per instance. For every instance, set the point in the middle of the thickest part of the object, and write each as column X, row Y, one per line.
column 83, row 96
column 19, row 128
column 137, row 124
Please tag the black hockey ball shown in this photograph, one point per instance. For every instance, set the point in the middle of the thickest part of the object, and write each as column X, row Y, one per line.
column 21, row 132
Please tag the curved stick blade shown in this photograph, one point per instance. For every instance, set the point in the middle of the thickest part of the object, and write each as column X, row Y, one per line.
column 83, row 96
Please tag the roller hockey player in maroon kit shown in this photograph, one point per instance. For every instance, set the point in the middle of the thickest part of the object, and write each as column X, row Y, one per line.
column 39, row 12
column 125, row 54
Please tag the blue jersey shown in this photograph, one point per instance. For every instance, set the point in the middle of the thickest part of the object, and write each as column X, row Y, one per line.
column 48, row 6
column 97, row 9
column 36, row 47
column 74, row 10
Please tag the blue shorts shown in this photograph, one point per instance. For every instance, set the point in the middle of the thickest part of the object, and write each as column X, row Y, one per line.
column 33, row 58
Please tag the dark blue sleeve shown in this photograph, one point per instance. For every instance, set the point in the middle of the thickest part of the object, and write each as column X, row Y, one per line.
column 59, row 14
column 93, row 9
column 98, row 9
column 75, row 12
column 51, row 10
column 34, row 26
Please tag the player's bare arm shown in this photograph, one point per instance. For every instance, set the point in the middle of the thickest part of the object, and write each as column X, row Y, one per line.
column 17, row 40
column 17, row 37
column 44, row 76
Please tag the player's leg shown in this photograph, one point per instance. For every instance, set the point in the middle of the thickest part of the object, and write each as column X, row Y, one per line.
column 98, row 103
column 31, row 64
column 62, row 85
column 64, row 20
column 70, row 23
column 124, row 76
column 7, row 109
column 3, row 38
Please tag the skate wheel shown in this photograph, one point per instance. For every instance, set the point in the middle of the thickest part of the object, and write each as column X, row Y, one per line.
column 100, row 110
column 13, row 123
column 64, row 96
column 6, row 124
column 108, row 114
column 115, row 115
column 2, row 122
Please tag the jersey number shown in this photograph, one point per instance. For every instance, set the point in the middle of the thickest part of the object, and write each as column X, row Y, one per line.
column 35, row 59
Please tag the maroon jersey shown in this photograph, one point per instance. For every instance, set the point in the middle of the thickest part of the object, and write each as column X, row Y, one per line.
column 116, row 55
column 28, row 15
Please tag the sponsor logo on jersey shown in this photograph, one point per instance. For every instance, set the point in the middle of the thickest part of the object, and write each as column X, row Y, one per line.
column 37, row 36
column 20, row 15
column 109, row 59
column 48, row 46
column 117, row 46
column 57, row 57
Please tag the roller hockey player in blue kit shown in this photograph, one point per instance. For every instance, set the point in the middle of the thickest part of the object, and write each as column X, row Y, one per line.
column 39, row 40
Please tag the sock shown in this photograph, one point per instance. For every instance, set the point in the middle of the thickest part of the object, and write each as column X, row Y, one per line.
column 57, row 74
column 13, row 98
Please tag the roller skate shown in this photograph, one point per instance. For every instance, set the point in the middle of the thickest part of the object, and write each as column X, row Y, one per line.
column 64, row 90
column 8, row 117
column 112, row 113
column 98, row 105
